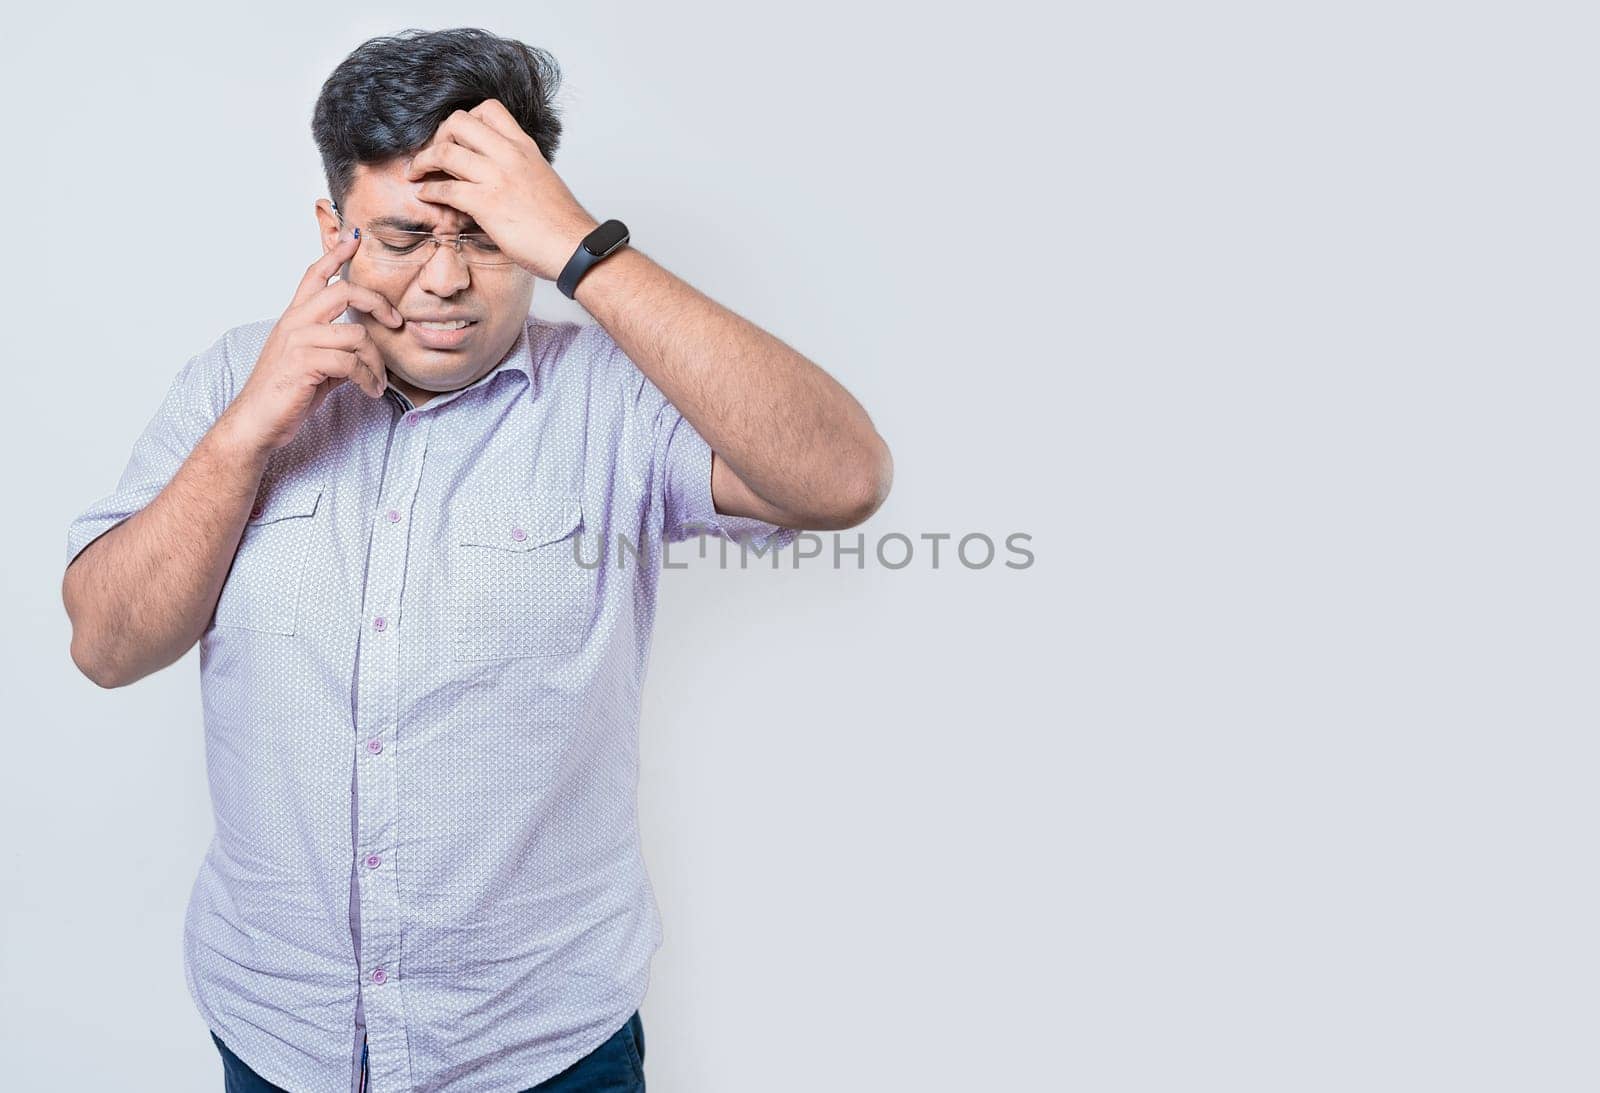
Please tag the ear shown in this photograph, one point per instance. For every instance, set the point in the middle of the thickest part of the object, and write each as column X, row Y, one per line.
column 327, row 224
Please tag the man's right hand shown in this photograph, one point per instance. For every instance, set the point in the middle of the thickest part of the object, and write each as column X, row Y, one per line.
column 308, row 354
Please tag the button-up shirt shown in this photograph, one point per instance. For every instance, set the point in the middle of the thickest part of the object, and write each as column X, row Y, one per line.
column 421, row 707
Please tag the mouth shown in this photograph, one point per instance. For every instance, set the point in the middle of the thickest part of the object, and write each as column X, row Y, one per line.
column 441, row 335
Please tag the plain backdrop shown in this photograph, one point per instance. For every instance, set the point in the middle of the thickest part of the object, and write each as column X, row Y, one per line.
column 1272, row 324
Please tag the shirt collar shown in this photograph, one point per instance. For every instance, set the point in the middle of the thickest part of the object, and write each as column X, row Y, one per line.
column 518, row 358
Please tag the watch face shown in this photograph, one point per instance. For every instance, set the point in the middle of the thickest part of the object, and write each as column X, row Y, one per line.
column 606, row 238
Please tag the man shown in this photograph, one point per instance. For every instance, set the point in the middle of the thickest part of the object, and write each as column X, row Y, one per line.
column 420, row 708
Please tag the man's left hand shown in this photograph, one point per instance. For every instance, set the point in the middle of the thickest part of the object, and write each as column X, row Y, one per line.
column 501, row 179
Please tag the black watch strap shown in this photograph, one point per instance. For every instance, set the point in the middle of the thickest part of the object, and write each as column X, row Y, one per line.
column 598, row 245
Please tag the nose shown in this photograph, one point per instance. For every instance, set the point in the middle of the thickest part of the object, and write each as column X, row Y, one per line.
column 445, row 273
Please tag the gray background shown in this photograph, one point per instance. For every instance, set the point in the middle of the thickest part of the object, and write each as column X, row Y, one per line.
column 1272, row 324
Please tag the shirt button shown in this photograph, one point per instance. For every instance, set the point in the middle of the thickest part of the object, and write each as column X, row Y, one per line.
column 394, row 516
column 373, row 861
column 518, row 534
column 255, row 512
column 379, row 975
column 378, row 623
column 374, row 745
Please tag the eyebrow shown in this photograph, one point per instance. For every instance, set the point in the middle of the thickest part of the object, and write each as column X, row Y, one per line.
column 407, row 224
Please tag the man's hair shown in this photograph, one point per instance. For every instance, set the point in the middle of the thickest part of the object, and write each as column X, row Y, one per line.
column 387, row 98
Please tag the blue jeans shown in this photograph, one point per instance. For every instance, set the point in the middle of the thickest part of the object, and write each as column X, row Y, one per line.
column 616, row 1066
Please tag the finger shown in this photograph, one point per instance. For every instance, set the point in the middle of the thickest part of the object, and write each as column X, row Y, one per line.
column 332, row 335
column 350, row 338
column 452, row 159
column 332, row 300
column 344, row 364
column 470, row 130
column 318, row 273
column 493, row 113
column 455, row 193
column 367, row 353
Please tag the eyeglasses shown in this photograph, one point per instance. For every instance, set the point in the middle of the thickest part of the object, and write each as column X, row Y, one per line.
column 399, row 249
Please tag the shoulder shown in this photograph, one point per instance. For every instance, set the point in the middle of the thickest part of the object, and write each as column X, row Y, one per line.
column 207, row 382
column 585, row 354
column 561, row 344
column 236, row 349
column 245, row 341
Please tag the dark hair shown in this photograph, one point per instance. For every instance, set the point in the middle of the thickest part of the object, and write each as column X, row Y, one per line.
column 387, row 98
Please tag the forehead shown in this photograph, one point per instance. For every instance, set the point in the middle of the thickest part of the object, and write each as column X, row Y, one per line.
column 382, row 189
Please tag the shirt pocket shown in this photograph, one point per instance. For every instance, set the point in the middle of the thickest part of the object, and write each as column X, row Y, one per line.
column 516, row 587
column 262, row 591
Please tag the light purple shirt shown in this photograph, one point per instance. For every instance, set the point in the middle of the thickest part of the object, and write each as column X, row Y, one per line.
column 421, row 715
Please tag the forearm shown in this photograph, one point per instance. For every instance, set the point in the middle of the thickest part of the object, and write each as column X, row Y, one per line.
column 793, row 434
column 141, row 594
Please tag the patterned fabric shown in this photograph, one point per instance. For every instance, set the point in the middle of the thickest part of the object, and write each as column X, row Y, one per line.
column 421, row 715
column 616, row 1066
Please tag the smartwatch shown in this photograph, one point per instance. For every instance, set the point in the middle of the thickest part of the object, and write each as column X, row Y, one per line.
column 598, row 245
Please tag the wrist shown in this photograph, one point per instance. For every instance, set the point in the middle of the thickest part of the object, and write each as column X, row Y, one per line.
column 599, row 244
column 571, row 238
column 603, row 278
column 234, row 441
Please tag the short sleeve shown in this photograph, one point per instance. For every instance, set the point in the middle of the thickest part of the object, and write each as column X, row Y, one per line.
column 685, row 461
column 195, row 398
column 675, row 460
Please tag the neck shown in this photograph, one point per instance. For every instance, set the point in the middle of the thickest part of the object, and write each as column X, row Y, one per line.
column 415, row 395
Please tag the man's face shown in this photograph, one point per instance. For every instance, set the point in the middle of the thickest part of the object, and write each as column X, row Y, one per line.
column 496, row 299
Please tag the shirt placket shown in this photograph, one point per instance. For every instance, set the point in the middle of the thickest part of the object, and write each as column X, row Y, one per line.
column 388, row 1057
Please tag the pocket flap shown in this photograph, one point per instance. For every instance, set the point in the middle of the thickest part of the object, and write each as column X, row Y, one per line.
column 518, row 523
column 284, row 499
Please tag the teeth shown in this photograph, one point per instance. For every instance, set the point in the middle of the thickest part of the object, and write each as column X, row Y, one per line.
column 454, row 324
